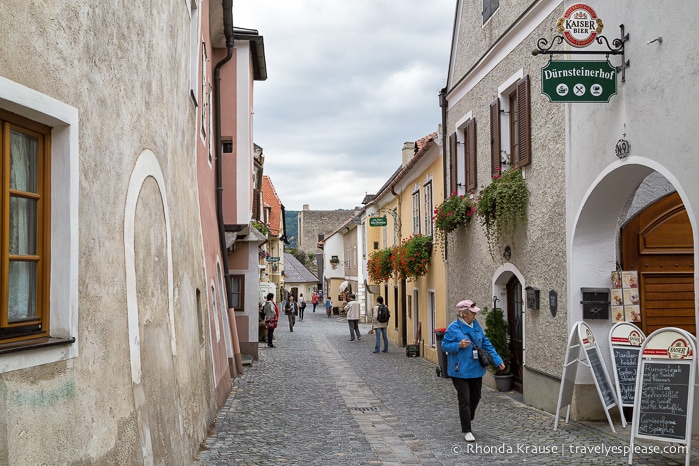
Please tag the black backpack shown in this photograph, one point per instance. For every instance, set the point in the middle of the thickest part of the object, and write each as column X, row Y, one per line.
column 384, row 314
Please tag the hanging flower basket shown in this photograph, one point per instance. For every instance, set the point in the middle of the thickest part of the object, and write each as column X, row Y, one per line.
column 502, row 207
column 412, row 258
column 454, row 212
column 379, row 265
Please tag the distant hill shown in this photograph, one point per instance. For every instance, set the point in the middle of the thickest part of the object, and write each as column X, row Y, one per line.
column 292, row 227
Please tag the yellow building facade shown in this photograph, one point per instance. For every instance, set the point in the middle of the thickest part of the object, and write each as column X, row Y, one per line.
column 407, row 202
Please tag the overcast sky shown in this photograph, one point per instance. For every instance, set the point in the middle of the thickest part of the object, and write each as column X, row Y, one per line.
column 348, row 83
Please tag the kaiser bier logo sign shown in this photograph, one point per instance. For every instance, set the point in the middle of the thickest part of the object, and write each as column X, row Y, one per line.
column 580, row 25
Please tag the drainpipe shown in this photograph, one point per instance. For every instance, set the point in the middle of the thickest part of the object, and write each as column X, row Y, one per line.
column 443, row 105
column 445, row 142
column 228, row 31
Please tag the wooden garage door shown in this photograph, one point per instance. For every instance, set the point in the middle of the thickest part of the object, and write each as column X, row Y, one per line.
column 658, row 244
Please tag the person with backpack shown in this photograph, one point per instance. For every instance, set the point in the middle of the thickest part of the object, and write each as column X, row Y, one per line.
column 302, row 306
column 380, row 318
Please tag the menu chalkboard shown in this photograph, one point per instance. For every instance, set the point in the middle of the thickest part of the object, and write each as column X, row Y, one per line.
column 664, row 405
column 626, row 361
column 603, row 382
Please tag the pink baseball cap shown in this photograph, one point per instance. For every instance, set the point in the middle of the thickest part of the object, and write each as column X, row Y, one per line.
column 467, row 305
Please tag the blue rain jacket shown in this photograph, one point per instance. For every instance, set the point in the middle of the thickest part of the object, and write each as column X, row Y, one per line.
column 468, row 368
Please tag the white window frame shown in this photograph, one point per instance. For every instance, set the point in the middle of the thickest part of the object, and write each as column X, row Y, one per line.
column 429, row 207
column 504, row 91
column 65, row 174
column 460, row 168
column 416, row 211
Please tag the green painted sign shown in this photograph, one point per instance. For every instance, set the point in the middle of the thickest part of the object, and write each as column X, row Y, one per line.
column 378, row 221
column 272, row 259
column 578, row 81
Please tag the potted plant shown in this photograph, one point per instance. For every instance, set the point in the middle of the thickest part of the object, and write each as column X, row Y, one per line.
column 497, row 331
column 412, row 258
column 379, row 265
column 334, row 261
column 259, row 226
column 502, row 206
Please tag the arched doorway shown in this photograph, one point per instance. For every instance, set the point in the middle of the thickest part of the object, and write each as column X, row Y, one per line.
column 658, row 243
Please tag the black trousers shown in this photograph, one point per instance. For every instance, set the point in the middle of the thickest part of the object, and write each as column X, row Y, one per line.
column 468, row 392
column 270, row 336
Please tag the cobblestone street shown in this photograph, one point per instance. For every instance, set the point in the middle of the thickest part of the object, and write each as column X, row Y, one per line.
column 318, row 398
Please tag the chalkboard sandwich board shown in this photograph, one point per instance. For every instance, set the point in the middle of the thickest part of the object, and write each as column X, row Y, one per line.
column 665, row 388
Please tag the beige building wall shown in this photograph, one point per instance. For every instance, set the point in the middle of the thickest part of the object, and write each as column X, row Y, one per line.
column 538, row 256
column 136, row 385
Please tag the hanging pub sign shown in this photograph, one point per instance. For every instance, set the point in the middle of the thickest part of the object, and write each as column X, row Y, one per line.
column 378, row 221
column 578, row 81
column 580, row 25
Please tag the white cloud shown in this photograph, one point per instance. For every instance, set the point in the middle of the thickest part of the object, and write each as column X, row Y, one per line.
column 348, row 83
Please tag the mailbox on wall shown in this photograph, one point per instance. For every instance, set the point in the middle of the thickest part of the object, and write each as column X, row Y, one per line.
column 595, row 303
column 532, row 298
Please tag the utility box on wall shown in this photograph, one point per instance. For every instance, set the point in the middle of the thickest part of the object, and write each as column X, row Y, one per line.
column 596, row 302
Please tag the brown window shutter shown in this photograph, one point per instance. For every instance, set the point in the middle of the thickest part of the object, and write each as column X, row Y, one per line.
column 524, row 122
column 495, row 138
column 452, row 164
column 470, row 145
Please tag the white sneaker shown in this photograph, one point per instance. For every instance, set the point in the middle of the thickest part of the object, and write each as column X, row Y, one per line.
column 469, row 437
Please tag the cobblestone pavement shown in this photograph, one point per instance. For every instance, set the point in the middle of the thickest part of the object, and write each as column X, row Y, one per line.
column 319, row 399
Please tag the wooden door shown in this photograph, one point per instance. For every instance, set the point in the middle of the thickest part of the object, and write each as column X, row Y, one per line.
column 658, row 243
column 515, row 307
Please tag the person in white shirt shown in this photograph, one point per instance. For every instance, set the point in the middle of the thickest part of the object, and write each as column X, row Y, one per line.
column 352, row 309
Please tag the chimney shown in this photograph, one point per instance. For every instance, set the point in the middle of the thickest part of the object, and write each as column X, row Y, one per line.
column 408, row 152
column 305, row 207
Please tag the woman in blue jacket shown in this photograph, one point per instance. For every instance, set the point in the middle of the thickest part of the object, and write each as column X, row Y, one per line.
column 462, row 361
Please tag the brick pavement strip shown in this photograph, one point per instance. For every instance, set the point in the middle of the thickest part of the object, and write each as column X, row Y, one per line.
column 319, row 399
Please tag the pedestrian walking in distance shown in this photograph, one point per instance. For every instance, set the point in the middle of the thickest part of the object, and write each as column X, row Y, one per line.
column 291, row 309
column 379, row 327
column 271, row 318
column 314, row 300
column 302, row 306
column 352, row 309
column 328, row 307
column 461, row 340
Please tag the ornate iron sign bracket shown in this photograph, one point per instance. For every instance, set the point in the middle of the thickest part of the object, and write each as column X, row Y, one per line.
column 616, row 48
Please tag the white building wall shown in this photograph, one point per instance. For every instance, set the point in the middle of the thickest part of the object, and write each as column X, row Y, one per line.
column 655, row 111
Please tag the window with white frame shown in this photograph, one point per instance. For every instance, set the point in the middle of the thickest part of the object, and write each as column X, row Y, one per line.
column 510, row 126
column 38, row 265
column 416, row 212
column 462, row 153
column 194, row 48
column 204, row 104
column 428, row 208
